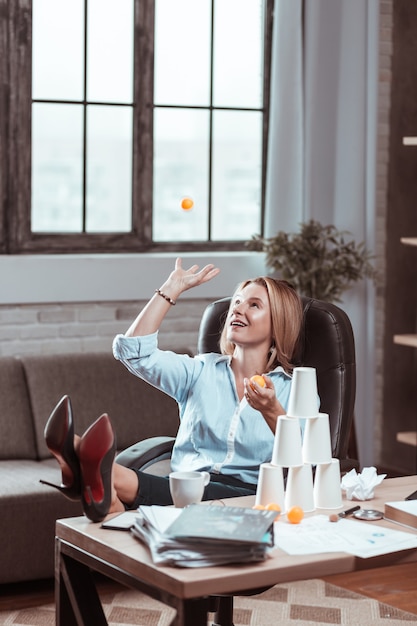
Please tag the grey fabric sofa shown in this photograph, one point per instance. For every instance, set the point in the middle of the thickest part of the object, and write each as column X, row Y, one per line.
column 30, row 387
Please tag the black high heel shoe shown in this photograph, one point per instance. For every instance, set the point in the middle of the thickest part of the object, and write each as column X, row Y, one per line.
column 96, row 454
column 59, row 437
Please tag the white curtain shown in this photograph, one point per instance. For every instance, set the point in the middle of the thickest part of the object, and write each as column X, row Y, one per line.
column 322, row 147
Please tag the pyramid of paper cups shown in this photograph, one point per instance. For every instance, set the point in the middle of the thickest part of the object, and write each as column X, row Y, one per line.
column 299, row 454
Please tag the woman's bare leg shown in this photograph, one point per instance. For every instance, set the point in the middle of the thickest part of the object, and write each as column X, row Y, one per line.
column 125, row 487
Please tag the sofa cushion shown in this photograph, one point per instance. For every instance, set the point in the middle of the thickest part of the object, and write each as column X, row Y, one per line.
column 16, row 426
column 96, row 383
column 29, row 511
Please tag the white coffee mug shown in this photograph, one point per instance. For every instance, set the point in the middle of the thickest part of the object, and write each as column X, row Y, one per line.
column 187, row 487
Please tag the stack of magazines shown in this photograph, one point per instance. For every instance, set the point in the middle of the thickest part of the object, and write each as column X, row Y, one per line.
column 205, row 535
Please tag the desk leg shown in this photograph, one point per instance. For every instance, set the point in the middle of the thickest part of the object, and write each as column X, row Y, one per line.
column 78, row 603
column 192, row 613
column 76, row 597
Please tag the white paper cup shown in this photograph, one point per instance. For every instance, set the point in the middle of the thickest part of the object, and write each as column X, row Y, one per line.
column 187, row 487
column 303, row 398
column 270, row 485
column 299, row 491
column 316, row 440
column 327, row 485
column 287, row 443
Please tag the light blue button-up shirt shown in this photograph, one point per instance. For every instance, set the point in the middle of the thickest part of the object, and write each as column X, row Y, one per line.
column 217, row 433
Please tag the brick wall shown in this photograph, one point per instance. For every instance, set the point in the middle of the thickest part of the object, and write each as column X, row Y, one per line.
column 58, row 328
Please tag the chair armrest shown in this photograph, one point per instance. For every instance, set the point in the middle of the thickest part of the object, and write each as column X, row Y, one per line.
column 346, row 465
column 146, row 452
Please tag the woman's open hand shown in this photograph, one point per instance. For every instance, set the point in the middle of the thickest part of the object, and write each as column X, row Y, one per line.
column 181, row 279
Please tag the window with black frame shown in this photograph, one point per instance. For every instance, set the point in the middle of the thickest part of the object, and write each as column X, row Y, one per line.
column 135, row 106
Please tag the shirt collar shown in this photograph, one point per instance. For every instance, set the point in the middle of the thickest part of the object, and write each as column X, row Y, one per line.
column 277, row 370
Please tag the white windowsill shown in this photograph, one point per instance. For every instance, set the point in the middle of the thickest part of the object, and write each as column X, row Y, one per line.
column 35, row 279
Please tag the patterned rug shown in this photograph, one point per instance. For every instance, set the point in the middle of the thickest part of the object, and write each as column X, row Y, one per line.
column 305, row 603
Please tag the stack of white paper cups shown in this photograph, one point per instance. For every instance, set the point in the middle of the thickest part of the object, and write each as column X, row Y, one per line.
column 287, row 452
column 299, row 456
column 288, row 449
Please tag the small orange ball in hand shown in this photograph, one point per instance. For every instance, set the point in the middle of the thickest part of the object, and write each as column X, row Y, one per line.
column 260, row 380
column 295, row 515
column 187, row 204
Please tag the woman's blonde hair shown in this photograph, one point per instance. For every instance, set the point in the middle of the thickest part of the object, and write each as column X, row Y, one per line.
column 286, row 321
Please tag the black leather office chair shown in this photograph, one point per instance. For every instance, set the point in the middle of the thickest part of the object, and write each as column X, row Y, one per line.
column 327, row 344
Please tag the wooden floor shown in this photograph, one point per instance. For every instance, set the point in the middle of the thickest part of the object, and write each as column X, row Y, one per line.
column 396, row 585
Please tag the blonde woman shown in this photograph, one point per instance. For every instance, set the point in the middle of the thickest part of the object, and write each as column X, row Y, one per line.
column 227, row 422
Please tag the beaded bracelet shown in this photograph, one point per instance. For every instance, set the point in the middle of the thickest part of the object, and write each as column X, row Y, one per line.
column 167, row 298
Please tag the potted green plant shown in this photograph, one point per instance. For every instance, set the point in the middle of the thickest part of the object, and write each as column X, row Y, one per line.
column 318, row 260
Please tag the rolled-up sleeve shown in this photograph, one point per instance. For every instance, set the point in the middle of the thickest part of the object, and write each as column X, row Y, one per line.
column 126, row 348
column 170, row 372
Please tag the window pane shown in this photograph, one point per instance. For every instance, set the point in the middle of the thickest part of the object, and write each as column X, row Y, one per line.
column 181, row 159
column 182, row 52
column 109, row 169
column 110, row 51
column 58, row 49
column 238, row 53
column 57, row 167
column 237, row 166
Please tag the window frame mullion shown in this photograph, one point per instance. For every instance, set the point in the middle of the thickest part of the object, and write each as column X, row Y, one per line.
column 268, row 42
column 4, row 113
column 142, row 161
column 19, row 144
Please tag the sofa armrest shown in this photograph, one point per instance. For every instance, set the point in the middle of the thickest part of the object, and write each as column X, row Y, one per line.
column 147, row 452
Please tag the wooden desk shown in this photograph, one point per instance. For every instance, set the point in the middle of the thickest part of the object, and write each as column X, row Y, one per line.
column 82, row 546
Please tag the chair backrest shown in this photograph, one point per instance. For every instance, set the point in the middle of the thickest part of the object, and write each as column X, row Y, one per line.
column 327, row 344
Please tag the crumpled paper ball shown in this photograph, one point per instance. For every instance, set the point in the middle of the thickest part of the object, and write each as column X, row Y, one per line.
column 361, row 486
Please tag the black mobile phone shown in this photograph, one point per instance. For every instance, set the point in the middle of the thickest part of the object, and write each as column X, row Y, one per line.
column 412, row 496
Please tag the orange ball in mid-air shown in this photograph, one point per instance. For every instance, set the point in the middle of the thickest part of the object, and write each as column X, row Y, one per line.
column 187, row 204
column 260, row 380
